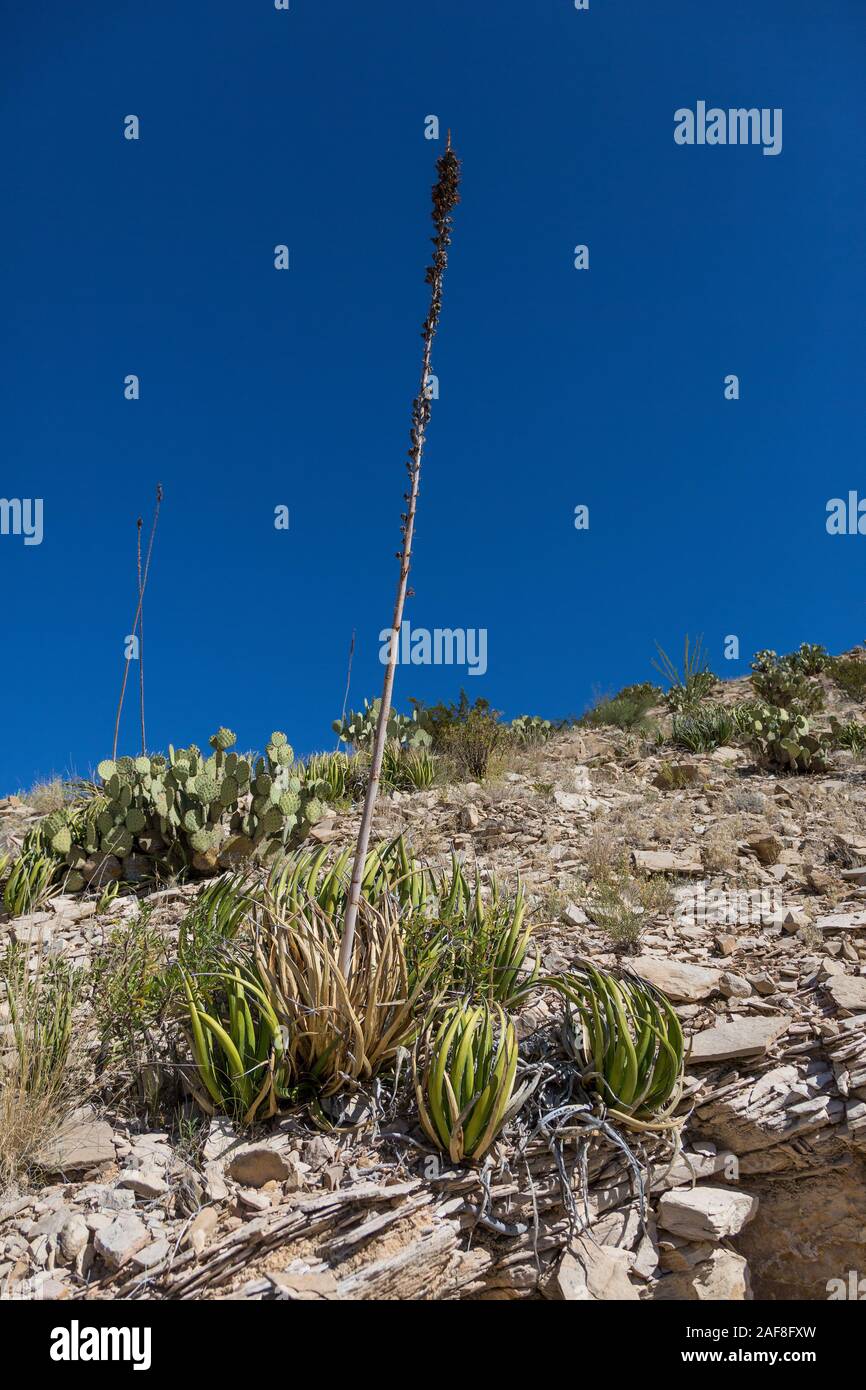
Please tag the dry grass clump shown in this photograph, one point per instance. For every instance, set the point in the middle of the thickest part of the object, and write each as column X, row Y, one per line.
column 53, row 795
column 719, row 845
column 41, row 1071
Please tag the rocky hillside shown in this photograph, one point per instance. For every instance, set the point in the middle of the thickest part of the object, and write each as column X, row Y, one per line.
column 737, row 891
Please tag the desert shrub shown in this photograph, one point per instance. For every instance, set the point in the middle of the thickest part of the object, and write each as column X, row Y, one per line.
column 687, row 689
column 849, row 675
column 471, row 742
column 709, row 726
column 137, row 991
column 782, row 682
column 626, row 710
column 53, row 795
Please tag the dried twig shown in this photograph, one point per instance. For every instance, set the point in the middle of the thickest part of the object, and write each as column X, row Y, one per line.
column 141, row 588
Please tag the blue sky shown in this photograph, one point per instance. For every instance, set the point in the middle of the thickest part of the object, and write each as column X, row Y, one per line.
column 558, row 387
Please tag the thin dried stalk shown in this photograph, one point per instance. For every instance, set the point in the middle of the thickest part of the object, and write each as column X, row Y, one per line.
column 141, row 588
column 445, row 199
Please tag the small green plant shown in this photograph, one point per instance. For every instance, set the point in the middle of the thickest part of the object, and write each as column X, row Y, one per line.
column 30, row 877
column 628, row 1041
column 708, row 727
column 465, row 1065
column 237, row 1044
column 623, row 905
column 696, row 682
column 850, row 733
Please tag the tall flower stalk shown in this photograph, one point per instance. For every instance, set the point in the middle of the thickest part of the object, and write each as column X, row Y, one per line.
column 137, row 627
column 446, row 195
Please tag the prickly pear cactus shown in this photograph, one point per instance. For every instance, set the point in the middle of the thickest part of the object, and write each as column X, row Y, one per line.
column 782, row 741
column 358, row 729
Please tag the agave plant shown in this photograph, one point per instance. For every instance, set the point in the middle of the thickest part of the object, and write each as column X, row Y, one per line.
column 481, row 944
column 627, row 1039
column 419, row 768
column 339, row 1032
column 708, row 727
column 240, row 1056
column 334, row 770
column 464, row 1066
column 29, row 881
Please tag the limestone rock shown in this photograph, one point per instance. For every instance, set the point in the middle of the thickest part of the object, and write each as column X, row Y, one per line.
column 680, row 981
column 82, row 1145
column 255, row 1164
column 658, row 861
column 706, row 1213
column 121, row 1239
column 745, row 1037
column 594, row 1273
column 848, row 992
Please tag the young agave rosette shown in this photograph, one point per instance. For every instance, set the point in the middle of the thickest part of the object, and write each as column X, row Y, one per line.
column 628, row 1040
column 464, row 1065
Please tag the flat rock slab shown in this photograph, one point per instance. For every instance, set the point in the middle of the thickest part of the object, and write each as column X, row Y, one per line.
column 660, row 861
column 842, row 921
column 848, row 992
column 744, row 1037
column 78, row 1148
column 706, row 1213
column 680, row 981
